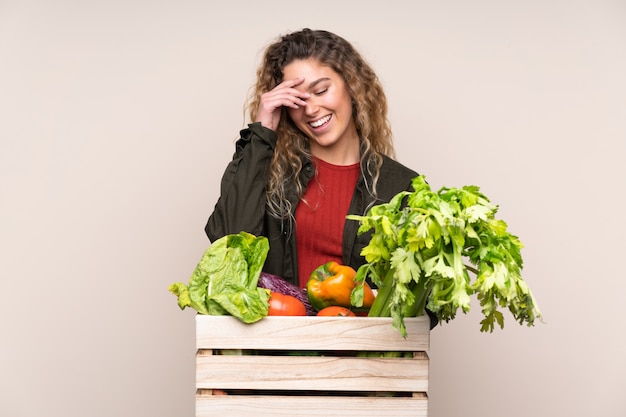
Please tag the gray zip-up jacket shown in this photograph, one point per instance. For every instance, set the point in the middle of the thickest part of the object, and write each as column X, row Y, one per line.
column 241, row 206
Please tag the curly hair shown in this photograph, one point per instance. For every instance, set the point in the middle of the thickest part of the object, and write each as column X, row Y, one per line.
column 369, row 110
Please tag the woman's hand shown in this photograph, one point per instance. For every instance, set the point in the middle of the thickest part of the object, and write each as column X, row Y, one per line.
column 284, row 94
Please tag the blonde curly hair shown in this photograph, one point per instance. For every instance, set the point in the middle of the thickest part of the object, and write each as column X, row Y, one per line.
column 369, row 110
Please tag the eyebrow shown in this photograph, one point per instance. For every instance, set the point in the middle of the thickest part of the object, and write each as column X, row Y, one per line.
column 316, row 82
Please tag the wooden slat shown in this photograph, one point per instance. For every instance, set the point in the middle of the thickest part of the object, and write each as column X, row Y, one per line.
column 311, row 333
column 312, row 373
column 310, row 406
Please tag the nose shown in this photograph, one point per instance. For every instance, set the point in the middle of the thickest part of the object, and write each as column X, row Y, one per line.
column 311, row 107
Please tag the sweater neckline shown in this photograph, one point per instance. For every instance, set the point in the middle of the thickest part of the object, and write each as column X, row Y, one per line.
column 323, row 164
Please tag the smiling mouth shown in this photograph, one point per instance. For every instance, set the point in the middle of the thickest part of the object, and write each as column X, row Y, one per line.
column 320, row 122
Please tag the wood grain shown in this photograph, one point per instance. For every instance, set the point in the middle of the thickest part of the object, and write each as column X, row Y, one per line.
column 310, row 406
column 311, row 333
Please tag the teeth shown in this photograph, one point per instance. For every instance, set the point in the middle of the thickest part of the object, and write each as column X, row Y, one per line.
column 320, row 122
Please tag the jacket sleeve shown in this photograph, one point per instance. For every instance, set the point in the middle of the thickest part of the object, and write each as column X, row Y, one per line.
column 241, row 205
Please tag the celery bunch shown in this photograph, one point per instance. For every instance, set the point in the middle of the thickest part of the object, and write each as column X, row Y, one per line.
column 423, row 247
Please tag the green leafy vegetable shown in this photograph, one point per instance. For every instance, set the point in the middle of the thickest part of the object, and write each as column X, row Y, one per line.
column 421, row 241
column 225, row 280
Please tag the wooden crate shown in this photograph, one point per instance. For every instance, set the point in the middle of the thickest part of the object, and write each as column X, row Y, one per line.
column 310, row 366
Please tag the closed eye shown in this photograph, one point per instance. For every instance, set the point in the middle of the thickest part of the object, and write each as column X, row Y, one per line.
column 321, row 83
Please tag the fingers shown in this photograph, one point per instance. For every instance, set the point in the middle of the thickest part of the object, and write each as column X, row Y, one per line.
column 283, row 95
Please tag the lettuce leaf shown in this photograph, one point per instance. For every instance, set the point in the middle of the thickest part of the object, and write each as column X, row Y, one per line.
column 225, row 279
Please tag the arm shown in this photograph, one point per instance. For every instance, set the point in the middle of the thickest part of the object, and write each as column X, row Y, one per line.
column 241, row 205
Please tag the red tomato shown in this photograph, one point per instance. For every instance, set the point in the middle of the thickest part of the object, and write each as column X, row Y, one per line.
column 336, row 311
column 285, row 305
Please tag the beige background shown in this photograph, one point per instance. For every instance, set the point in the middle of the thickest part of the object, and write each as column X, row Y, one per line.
column 117, row 119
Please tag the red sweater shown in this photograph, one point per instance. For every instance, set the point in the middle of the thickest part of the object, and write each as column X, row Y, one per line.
column 321, row 215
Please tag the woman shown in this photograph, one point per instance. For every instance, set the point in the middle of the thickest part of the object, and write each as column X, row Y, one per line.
column 319, row 148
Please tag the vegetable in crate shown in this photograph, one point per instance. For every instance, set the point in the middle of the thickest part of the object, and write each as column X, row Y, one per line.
column 416, row 256
column 332, row 284
column 277, row 284
column 225, row 280
column 336, row 311
column 285, row 305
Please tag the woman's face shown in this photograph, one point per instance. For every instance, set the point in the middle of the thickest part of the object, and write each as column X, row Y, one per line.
column 326, row 119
